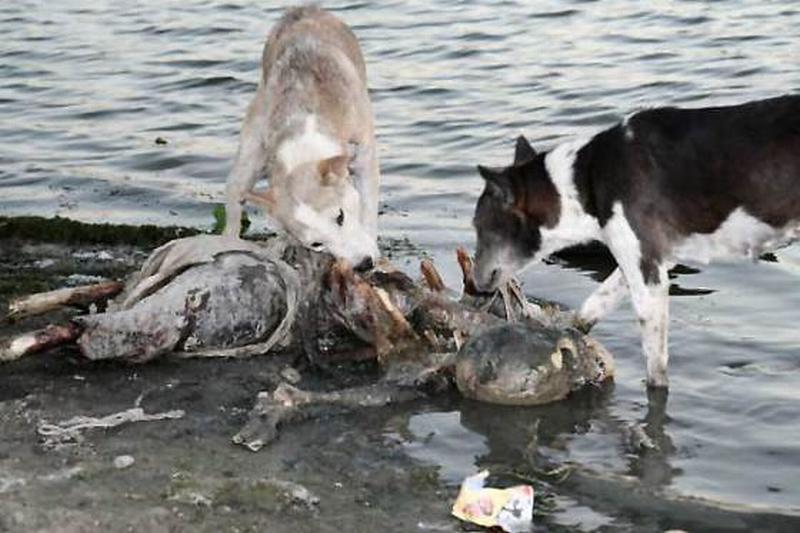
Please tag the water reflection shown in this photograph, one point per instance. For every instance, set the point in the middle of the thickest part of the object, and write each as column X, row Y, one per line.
column 536, row 444
column 651, row 464
column 531, row 440
column 595, row 260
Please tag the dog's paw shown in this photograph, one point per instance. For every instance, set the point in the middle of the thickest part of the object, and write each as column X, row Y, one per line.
column 582, row 324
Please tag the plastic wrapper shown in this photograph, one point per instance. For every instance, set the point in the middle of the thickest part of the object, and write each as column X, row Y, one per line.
column 510, row 509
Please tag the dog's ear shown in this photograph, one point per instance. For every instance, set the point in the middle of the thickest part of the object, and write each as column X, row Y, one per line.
column 266, row 199
column 523, row 152
column 497, row 183
column 333, row 169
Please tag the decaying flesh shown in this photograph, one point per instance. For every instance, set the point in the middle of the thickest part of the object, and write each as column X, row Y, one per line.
column 37, row 341
column 222, row 296
column 516, row 352
column 522, row 364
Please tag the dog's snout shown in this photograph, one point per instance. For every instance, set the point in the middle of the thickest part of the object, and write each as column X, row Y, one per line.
column 365, row 264
column 488, row 283
column 494, row 278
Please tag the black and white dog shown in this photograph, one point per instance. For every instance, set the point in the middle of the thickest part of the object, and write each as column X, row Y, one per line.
column 665, row 185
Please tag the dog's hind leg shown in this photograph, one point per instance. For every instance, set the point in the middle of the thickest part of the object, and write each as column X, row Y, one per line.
column 602, row 301
column 249, row 164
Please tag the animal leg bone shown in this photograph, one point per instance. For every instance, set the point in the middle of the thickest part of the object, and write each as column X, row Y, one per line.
column 37, row 341
column 43, row 302
column 288, row 404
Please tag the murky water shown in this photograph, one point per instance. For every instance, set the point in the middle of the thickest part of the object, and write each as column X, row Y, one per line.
column 87, row 87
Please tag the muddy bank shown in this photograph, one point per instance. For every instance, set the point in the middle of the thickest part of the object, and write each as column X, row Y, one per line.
column 186, row 473
column 356, row 472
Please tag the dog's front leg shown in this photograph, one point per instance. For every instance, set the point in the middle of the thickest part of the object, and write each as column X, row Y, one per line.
column 648, row 284
column 248, row 165
column 366, row 178
column 602, row 301
column 651, row 302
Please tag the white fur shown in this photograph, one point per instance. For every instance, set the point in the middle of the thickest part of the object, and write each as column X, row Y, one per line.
column 366, row 179
column 249, row 162
column 574, row 226
column 604, row 299
column 351, row 241
column 288, row 129
column 626, row 126
column 740, row 235
column 310, row 145
column 650, row 301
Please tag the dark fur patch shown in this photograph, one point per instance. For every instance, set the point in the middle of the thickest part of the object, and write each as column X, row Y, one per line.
column 517, row 201
column 676, row 172
column 523, row 152
column 679, row 172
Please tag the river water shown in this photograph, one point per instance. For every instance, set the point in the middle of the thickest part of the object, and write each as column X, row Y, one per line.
column 87, row 87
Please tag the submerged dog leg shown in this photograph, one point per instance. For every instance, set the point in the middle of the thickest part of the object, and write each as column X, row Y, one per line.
column 248, row 165
column 36, row 304
column 602, row 301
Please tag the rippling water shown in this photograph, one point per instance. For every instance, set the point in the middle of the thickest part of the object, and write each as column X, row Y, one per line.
column 85, row 89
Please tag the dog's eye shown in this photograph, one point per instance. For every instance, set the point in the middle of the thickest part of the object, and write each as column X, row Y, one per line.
column 317, row 246
column 340, row 218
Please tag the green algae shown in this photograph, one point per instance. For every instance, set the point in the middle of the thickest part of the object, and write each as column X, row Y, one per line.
column 66, row 231
column 220, row 220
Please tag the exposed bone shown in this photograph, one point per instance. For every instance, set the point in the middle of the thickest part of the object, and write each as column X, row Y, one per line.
column 465, row 262
column 458, row 339
column 508, row 301
column 37, row 341
column 400, row 322
column 43, row 302
column 215, row 296
column 431, row 276
column 367, row 311
column 515, row 292
column 505, row 296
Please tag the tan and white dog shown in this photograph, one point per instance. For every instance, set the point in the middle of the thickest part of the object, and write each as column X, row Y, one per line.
column 310, row 131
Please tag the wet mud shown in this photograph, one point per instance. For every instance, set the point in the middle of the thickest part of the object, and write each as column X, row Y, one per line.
column 355, row 471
